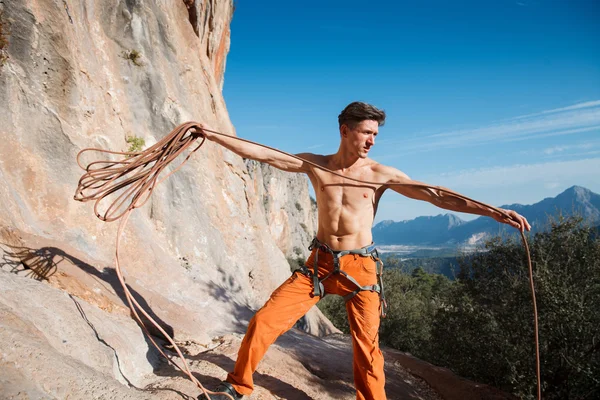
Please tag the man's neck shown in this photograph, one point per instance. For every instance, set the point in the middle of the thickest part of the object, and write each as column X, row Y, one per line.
column 342, row 160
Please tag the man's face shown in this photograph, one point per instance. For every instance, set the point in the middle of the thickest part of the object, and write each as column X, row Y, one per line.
column 361, row 138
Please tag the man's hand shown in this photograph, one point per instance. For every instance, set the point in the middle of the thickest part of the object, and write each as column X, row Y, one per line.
column 516, row 220
column 201, row 131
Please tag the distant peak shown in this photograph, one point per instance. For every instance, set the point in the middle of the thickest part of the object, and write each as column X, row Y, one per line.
column 454, row 220
column 384, row 223
column 576, row 188
column 579, row 192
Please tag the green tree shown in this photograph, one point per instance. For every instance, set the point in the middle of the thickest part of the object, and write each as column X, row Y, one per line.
column 334, row 308
column 484, row 330
column 412, row 300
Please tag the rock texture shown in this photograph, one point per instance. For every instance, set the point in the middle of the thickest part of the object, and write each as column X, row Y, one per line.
column 201, row 256
column 210, row 20
column 289, row 210
column 95, row 74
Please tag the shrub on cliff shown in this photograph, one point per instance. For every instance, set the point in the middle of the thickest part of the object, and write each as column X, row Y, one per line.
column 3, row 39
column 485, row 330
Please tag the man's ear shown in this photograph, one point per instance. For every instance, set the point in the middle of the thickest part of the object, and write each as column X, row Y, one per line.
column 344, row 130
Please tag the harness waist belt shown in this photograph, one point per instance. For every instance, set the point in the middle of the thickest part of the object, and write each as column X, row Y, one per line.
column 367, row 251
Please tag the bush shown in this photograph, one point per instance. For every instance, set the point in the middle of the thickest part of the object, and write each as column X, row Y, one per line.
column 489, row 316
column 334, row 308
column 135, row 144
column 3, row 40
column 296, row 262
column 134, row 56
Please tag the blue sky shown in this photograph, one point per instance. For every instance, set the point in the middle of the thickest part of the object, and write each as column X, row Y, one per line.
column 497, row 100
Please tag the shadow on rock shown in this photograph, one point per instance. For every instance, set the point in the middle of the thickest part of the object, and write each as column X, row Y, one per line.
column 39, row 264
column 273, row 385
column 229, row 291
column 44, row 262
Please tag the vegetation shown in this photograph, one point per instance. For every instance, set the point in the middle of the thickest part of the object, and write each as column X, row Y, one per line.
column 334, row 308
column 135, row 144
column 134, row 56
column 481, row 325
column 296, row 262
column 491, row 309
column 435, row 265
column 412, row 302
column 3, row 40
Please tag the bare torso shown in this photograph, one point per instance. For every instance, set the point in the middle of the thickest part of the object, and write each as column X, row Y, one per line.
column 346, row 208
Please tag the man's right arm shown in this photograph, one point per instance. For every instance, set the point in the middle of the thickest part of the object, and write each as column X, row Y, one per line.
column 259, row 153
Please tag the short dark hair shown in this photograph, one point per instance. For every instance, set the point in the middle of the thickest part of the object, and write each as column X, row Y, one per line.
column 358, row 111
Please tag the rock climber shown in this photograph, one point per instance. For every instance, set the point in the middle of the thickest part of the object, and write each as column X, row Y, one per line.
column 343, row 260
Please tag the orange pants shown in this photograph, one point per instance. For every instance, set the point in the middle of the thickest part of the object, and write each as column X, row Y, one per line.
column 295, row 297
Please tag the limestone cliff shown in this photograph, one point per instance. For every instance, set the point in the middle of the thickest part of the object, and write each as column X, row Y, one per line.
column 95, row 74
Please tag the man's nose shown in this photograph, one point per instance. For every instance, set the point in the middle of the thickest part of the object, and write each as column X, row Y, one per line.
column 371, row 140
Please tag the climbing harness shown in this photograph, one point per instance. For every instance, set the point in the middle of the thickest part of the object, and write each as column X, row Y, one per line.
column 367, row 251
column 136, row 175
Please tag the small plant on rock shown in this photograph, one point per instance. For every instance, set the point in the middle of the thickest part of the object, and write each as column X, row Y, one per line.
column 136, row 144
column 134, row 56
column 3, row 40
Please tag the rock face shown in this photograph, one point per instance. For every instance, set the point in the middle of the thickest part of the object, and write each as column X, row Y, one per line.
column 289, row 210
column 93, row 74
column 210, row 20
column 200, row 256
column 38, row 320
column 96, row 75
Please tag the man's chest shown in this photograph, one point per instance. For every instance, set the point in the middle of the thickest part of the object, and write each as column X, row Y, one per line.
column 346, row 190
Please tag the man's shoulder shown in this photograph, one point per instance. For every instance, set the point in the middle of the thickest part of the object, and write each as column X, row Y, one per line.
column 385, row 172
column 315, row 158
column 380, row 168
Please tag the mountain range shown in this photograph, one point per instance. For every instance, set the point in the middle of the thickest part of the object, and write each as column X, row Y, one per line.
column 448, row 230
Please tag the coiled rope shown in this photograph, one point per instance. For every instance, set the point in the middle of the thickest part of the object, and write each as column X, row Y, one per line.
column 133, row 178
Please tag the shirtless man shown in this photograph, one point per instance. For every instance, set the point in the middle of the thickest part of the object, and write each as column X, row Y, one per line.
column 346, row 211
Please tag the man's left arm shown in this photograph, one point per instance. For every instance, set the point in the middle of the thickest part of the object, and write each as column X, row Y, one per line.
column 445, row 198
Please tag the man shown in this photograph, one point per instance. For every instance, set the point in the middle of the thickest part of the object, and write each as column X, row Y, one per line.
column 343, row 260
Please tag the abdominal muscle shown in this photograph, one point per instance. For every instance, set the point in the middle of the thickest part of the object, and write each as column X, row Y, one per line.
column 340, row 240
column 345, row 216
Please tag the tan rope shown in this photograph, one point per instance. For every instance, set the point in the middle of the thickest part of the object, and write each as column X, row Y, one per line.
column 133, row 178
column 140, row 171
